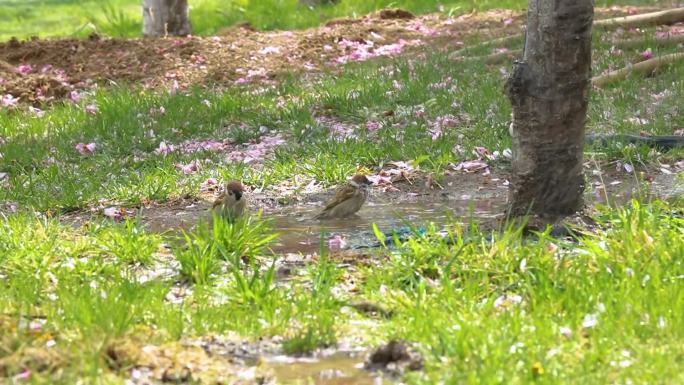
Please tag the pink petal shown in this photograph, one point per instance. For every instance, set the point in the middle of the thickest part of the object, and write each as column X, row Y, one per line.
column 552, row 247
column 25, row 375
column 10, row 206
column 24, row 69
column 84, row 149
column 189, row 168
column 8, row 100
column 337, row 242
column 471, row 166
column 75, row 96
column 372, row 126
column 91, row 109
column 112, row 212
column 174, row 87
column 164, row 148
column 379, row 180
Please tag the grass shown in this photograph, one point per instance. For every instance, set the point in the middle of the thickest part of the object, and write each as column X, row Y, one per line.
column 481, row 311
column 123, row 18
column 45, row 171
column 480, row 306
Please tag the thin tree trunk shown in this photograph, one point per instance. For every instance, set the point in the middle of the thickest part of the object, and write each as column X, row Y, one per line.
column 549, row 93
column 166, row 17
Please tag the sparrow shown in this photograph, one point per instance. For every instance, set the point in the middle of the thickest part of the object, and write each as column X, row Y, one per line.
column 232, row 203
column 348, row 199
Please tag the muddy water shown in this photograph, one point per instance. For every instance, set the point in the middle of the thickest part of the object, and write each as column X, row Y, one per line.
column 300, row 233
column 618, row 192
column 338, row 369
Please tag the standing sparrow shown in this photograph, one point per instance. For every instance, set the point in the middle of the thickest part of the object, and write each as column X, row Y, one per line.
column 348, row 199
column 232, row 202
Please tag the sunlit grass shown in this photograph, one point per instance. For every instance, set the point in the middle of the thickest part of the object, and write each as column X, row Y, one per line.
column 481, row 306
column 405, row 96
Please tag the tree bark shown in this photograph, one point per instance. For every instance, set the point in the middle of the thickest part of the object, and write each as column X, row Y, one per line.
column 165, row 17
column 548, row 90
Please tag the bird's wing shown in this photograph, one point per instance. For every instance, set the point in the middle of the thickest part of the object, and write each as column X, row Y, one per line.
column 342, row 195
column 218, row 200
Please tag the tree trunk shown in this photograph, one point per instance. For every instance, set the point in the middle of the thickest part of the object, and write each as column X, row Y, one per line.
column 549, row 92
column 165, row 17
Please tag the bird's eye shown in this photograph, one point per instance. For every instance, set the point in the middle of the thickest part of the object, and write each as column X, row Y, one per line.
column 230, row 192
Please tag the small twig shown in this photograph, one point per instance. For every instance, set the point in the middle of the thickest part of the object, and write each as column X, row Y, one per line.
column 644, row 67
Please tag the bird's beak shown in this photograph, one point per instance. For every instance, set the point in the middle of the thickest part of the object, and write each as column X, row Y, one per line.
column 238, row 195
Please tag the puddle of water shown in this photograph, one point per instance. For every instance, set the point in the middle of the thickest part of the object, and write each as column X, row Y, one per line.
column 337, row 369
column 619, row 192
column 300, row 233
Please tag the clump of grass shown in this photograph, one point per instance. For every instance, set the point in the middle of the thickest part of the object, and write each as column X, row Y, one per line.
column 239, row 243
column 198, row 261
column 107, row 309
column 28, row 243
column 128, row 242
column 241, row 240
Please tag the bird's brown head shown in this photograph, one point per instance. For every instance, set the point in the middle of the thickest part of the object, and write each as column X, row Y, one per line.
column 360, row 180
column 234, row 188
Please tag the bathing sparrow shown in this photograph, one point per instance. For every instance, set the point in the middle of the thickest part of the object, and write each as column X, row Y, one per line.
column 348, row 199
column 232, row 203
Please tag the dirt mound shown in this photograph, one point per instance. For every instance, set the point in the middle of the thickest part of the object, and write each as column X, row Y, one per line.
column 36, row 70
column 395, row 13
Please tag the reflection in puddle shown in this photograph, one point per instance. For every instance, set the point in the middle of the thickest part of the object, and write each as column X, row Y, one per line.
column 337, row 369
